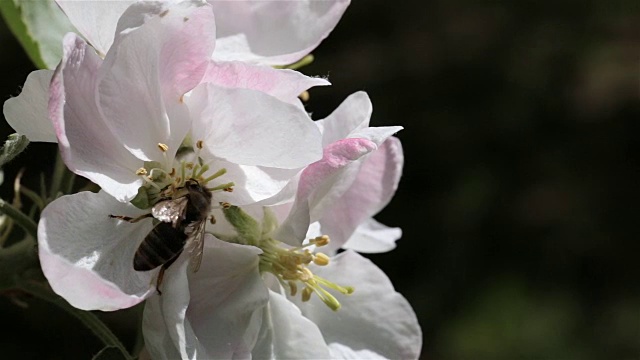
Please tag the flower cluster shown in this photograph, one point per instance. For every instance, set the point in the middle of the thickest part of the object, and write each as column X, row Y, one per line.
column 153, row 97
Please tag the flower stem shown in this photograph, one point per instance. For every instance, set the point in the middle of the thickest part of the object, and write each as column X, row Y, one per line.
column 21, row 219
column 91, row 321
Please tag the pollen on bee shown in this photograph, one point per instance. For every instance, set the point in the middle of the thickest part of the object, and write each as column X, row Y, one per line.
column 163, row 147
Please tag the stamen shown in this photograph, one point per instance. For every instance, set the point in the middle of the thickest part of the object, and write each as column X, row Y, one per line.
column 199, row 144
column 217, row 174
column 141, row 171
column 221, row 187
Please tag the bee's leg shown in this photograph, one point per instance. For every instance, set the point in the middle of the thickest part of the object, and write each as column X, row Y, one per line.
column 130, row 219
column 163, row 268
column 159, row 279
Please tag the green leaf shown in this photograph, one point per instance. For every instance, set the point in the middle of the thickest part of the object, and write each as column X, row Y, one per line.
column 109, row 353
column 14, row 145
column 40, row 26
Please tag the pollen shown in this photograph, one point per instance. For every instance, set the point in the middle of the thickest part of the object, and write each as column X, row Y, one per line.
column 141, row 171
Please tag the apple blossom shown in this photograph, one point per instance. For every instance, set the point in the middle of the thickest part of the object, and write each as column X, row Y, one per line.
column 265, row 32
column 153, row 114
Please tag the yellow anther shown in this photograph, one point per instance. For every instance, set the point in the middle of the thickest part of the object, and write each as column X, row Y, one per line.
column 225, row 205
column 163, row 147
column 212, row 220
column 141, row 171
column 189, row 165
column 321, row 259
column 293, row 288
column 173, row 172
column 199, row 144
column 306, row 294
column 304, row 96
column 321, row 240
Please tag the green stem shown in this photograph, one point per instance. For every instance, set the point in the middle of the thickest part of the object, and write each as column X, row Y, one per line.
column 58, row 176
column 21, row 219
column 91, row 321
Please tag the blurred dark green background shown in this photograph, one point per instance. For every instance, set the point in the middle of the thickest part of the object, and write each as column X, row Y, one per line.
column 518, row 202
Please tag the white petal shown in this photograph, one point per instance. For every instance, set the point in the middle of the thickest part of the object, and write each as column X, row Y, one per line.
column 284, row 84
column 147, row 71
column 96, row 20
column 88, row 256
column 87, row 145
column 374, row 186
column 167, row 332
column 252, row 183
column 216, row 313
column 287, row 334
column 339, row 351
column 353, row 114
column 27, row 113
column 373, row 237
column 248, row 127
column 375, row 317
column 273, row 32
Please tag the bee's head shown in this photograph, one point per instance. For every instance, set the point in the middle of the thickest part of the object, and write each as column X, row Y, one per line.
column 192, row 184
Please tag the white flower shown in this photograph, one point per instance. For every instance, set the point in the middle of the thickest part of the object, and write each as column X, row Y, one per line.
column 265, row 32
column 262, row 298
column 121, row 121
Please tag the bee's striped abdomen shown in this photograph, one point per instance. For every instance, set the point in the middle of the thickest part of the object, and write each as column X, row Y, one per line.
column 163, row 244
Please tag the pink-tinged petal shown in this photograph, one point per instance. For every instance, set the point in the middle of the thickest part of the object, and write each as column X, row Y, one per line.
column 88, row 256
column 87, row 145
column 214, row 314
column 286, row 334
column 373, row 188
column 321, row 183
column 373, row 237
column 96, row 20
column 284, row 84
column 248, row 127
column 353, row 114
column 375, row 317
column 148, row 70
column 273, row 32
column 351, row 120
column 27, row 113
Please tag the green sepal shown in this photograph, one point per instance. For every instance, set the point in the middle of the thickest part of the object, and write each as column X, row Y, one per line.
column 141, row 201
column 14, row 145
column 248, row 229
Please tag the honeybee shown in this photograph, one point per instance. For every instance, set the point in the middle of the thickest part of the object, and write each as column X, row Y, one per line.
column 182, row 224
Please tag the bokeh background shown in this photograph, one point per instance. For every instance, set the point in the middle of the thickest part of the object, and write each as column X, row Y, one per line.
column 519, row 199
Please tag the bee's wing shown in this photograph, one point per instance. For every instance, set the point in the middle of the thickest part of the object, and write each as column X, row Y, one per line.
column 196, row 240
column 172, row 210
